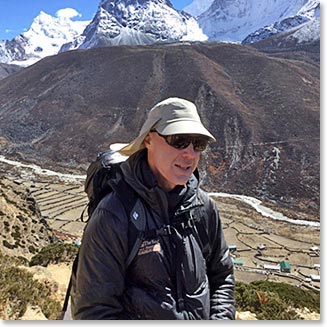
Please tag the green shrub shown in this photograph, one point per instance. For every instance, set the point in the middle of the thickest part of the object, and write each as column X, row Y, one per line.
column 281, row 300
column 32, row 249
column 54, row 253
column 6, row 244
column 16, row 233
column 18, row 288
column 7, row 225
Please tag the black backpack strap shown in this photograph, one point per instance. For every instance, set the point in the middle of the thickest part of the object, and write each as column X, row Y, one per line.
column 192, row 221
column 135, row 210
column 137, row 217
column 178, row 241
column 69, row 288
column 201, row 233
column 83, row 220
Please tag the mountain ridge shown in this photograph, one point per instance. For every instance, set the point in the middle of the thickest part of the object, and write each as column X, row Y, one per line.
column 264, row 112
column 44, row 38
column 135, row 22
column 234, row 21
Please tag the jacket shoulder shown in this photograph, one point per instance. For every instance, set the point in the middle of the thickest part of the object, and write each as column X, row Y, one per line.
column 206, row 200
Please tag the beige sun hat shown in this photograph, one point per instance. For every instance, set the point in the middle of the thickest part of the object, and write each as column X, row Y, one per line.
column 168, row 117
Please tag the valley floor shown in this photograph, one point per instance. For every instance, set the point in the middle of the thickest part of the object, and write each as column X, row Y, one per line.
column 258, row 244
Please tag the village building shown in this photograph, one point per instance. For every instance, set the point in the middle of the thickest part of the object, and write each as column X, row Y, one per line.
column 272, row 267
column 316, row 266
column 232, row 248
column 315, row 278
column 238, row 262
column 261, row 247
column 314, row 251
column 285, row 266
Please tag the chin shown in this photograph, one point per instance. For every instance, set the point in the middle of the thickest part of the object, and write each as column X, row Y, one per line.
column 182, row 181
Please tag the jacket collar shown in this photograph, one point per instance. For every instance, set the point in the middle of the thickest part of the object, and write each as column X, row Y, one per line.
column 138, row 175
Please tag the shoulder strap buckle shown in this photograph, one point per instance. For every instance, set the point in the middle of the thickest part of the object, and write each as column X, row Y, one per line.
column 191, row 222
column 165, row 230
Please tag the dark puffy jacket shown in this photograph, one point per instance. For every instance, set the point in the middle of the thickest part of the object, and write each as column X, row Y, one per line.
column 105, row 288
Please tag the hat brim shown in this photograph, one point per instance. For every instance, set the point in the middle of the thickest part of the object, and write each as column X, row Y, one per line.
column 178, row 127
column 134, row 146
column 183, row 127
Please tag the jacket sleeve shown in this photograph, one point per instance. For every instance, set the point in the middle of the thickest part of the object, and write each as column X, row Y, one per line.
column 99, row 282
column 219, row 269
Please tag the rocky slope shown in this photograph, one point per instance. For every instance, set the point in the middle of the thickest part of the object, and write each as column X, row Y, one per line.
column 302, row 42
column 22, row 231
column 6, row 70
column 264, row 112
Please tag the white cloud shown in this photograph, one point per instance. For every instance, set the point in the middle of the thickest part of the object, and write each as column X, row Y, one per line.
column 67, row 13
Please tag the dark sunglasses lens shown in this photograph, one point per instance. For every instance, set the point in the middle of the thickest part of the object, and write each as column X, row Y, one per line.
column 178, row 141
column 183, row 141
column 200, row 144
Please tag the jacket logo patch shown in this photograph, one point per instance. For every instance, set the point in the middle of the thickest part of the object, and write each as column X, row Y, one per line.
column 149, row 246
column 135, row 215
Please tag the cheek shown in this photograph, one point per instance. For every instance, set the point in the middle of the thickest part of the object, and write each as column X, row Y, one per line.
column 164, row 162
column 197, row 161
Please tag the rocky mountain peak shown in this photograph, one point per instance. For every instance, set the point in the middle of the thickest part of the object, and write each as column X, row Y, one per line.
column 137, row 22
column 144, row 22
column 234, row 20
column 197, row 7
column 45, row 37
column 308, row 15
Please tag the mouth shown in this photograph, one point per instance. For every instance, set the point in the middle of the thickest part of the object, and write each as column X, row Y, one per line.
column 185, row 168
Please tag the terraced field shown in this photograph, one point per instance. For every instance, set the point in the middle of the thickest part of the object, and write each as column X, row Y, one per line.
column 61, row 205
column 259, row 241
column 262, row 242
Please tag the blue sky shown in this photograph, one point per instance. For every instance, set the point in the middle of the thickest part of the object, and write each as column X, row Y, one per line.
column 16, row 16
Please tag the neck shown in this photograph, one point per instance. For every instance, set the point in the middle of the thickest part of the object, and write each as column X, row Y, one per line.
column 161, row 180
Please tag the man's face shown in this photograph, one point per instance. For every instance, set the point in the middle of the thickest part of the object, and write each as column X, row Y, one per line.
column 170, row 166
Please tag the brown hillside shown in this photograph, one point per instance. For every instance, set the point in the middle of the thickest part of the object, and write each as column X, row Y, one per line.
column 264, row 112
column 6, row 69
column 22, row 231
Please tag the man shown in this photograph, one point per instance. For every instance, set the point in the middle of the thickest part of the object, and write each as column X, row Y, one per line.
column 182, row 273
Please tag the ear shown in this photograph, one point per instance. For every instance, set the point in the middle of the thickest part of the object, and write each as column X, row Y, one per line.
column 147, row 140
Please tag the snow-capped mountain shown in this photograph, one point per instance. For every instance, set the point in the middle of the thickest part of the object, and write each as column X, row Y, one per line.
column 137, row 22
column 308, row 16
column 44, row 38
column 308, row 32
column 234, row 20
column 197, row 7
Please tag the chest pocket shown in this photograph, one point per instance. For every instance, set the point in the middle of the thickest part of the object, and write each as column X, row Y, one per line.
column 193, row 265
column 192, row 286
column 172, row 256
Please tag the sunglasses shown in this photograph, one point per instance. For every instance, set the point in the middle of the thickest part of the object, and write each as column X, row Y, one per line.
column 182, row 141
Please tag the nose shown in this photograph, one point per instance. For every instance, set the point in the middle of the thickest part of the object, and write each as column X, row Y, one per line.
column 189, row 152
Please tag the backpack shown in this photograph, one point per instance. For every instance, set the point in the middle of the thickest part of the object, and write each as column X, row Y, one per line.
column 98, row 175
column 96, row 186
